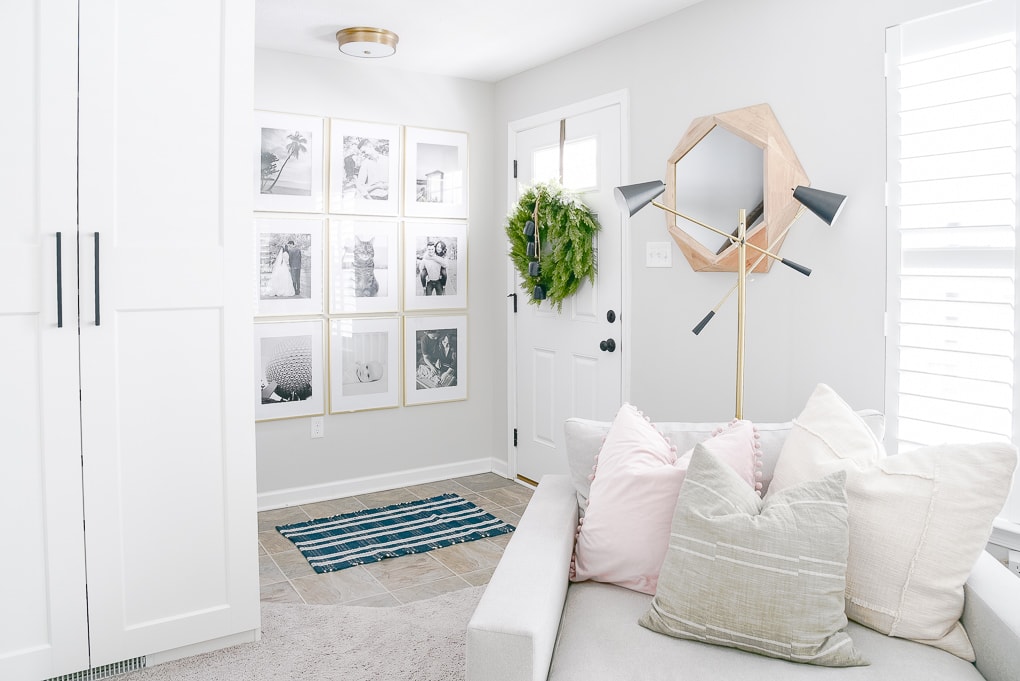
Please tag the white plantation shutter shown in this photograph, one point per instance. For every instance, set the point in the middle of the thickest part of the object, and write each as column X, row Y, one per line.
column 952, row 214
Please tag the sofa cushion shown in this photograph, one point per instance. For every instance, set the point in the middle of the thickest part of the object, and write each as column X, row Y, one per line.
column 623, row 536
column 918, row 520
column 765, row 577
column 583, row 438
column 599, row 638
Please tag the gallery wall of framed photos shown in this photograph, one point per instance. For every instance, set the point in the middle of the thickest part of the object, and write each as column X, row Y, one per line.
column 362, row 248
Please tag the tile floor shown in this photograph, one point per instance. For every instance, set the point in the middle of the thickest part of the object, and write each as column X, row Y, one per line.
column 285, row 575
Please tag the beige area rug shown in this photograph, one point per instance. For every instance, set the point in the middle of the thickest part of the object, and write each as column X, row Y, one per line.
column 420, row 641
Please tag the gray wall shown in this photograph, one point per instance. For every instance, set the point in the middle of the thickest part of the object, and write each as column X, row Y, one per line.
column 377, row 449
column 819, row 66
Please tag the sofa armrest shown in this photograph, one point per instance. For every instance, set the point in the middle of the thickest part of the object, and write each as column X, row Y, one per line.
column 991, row 616
column 512, row 633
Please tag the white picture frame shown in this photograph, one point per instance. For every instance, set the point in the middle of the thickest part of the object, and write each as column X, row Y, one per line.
column 288, row 162
column 364, row 266
column 435, row 265
column 364, row 363
column 284, row 289
column 436, row 182
column 289, row 375
column 435, row 370
column 364, row 168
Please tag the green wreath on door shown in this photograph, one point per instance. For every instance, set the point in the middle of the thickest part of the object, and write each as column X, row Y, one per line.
column 560, row 231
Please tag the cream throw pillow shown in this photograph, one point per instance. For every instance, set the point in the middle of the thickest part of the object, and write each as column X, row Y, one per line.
column 765, row 577
column 918, row 520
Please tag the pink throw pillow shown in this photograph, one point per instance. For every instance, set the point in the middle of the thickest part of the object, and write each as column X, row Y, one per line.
column 624, row 534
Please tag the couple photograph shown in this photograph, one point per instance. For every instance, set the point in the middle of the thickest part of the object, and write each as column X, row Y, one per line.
column 285, row 270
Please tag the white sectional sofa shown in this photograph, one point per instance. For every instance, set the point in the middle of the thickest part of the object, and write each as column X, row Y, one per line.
column 533, row 624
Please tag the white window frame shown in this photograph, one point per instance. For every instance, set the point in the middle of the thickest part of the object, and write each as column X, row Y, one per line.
column 1007, row 527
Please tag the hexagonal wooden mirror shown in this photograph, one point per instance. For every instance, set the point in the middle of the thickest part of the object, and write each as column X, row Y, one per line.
column 725, row 162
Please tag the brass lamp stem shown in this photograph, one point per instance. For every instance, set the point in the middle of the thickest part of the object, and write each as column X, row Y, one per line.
column 741, row 302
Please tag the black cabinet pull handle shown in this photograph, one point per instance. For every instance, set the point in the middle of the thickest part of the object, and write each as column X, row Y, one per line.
column 97, row 278
column 60, row 286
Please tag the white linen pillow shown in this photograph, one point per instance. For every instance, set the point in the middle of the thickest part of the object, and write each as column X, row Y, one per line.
column 918, row 520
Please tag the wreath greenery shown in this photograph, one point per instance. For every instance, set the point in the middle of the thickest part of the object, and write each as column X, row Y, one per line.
column 566, row 230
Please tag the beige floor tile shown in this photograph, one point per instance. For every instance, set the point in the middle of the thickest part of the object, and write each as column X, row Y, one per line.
column 269, row 572
column 281, row 592
column 274, row 542
column 293, row 564
column 484, row 481
column 262, row 551
column 316, row 591
column 386, row 498
column 420, row 592
column 328, row 509
column 434, row 489
column 478, row 577
column 512, row 495
column 268, row 520
column 478, row 500
column 469, row 556
column 385, row 600
column 500, row 540
column 353, row 583
column 406, row 571
column 506, row 515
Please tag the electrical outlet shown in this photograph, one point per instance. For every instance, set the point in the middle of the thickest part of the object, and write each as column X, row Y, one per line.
column 1014, row 562
column 318, row 426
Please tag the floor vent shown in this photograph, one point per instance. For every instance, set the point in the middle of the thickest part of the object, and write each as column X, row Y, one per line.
column 107, row 671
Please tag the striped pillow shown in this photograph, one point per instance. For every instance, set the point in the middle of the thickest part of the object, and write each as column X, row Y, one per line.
column 763, row 576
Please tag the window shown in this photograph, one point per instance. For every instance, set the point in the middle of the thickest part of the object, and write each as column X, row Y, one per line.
column 952, row 215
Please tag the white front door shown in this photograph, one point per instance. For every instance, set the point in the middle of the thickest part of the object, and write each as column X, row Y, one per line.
column 569, row 363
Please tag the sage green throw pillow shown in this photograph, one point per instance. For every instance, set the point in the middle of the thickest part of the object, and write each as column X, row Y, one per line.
column 767, row 577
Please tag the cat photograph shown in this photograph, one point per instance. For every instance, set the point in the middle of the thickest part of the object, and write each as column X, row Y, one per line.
column 363, row 265
column 365, row 283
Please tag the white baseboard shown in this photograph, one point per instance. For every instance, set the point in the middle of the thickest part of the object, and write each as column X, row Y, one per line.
column 296, row 496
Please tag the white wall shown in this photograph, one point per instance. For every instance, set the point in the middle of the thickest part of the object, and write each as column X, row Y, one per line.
column 377, row 449
column 820, row 67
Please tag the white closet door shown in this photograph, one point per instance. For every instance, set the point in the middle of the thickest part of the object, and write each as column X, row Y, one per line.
column 43, row 626
column 167, row 415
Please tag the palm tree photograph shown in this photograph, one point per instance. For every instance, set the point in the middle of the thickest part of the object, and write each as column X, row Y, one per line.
column 286, row 163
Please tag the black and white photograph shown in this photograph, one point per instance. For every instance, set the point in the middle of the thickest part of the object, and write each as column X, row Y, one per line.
column 363, row 266
column 289, row 150
column 435, row 265
column 364, row 168
column 435, row 173
column 435, row 359
column 288, row 370
column 289, row 266
column 364, row 363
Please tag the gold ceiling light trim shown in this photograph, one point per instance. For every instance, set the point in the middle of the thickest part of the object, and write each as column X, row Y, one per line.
column 367, row 42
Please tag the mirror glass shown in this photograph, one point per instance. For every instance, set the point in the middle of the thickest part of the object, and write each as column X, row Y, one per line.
column 721, row 174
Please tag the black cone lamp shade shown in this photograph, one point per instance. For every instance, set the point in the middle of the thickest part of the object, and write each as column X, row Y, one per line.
column 825, row 205
column 633, row 197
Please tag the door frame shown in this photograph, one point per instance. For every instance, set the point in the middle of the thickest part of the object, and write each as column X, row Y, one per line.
column 620, row 98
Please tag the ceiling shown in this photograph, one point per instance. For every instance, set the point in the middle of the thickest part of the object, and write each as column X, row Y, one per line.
column 478, row 39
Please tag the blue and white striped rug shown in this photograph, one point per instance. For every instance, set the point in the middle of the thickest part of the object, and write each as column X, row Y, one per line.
column 374, row 534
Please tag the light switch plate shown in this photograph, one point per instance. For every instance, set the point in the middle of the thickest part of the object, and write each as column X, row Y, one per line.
column 658, row 254
column 318, row 426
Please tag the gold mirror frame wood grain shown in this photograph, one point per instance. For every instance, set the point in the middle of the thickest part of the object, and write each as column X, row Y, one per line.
column 758, row 125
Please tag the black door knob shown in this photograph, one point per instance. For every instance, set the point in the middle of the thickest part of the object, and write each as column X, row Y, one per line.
column 608, row 345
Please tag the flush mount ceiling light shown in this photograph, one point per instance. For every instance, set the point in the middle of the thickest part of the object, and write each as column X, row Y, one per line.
column 371, row 43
